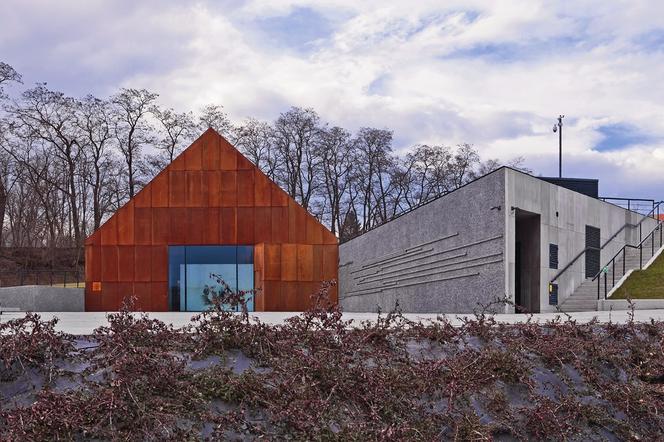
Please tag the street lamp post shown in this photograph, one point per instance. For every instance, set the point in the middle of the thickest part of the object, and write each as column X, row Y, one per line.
column 559, row 128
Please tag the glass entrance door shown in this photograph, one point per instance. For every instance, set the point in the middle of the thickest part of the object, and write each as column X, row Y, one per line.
column 192, row 268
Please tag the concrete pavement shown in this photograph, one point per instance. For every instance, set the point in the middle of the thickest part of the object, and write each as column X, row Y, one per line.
column 83, row 323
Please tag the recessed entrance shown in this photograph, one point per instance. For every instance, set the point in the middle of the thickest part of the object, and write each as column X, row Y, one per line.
column 527, row 262
column 191, row 269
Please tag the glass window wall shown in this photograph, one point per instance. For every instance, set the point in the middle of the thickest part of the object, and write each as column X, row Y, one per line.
column 191, row 269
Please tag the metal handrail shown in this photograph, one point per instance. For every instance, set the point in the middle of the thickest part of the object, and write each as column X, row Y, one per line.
column 608, row 199
column 639, row 245
column 612, row 262
column 643, row 240
column 577, row 257
column 571, row 263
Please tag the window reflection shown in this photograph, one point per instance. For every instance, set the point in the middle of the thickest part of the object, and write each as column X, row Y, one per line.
column 190, row 268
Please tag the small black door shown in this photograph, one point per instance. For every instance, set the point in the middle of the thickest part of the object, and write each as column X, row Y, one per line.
column 592, row 251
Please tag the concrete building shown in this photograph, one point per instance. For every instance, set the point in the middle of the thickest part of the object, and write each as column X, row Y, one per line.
column 537, row 241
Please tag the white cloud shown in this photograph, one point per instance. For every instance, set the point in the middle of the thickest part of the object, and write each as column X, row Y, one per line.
column 492, row 73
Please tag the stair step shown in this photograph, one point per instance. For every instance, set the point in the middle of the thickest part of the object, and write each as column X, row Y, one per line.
column 584, row 298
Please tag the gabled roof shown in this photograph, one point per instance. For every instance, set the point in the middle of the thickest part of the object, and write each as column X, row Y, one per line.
column 212, row 174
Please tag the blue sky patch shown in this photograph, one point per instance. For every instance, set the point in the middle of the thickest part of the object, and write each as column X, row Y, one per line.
column 509, row 52
column 619, row 136
column 378, row 85
column 298, row 30
column 652, row 41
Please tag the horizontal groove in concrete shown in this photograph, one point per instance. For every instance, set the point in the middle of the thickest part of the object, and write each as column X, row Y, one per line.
column 394, row 256
column 463, row 246
column 416, row 249
column 422, row 268
column 440, row 279
column 378, row 272
column 495, row 261
column 433, row 241
column 378, row 290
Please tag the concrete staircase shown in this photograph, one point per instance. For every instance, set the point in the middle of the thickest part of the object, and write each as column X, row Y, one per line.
column 584, row 297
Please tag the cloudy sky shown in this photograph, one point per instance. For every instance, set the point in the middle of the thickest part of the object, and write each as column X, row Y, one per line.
column 492, row 73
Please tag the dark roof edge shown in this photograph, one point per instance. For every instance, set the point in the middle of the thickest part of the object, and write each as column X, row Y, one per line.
column 546, row 178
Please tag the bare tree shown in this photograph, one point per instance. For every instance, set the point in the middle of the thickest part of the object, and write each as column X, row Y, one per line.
column 297, row 133
column 65, row 164
column 374, row 150
column 7, row 180
column 175, row 130
column 255, row 139
column 213, row 115
column 428, row 168
column 7, row 75
column 132, row 129
column 337, row 159
column 492, row 164
column 51, row 117
column 462, row 165
column 96, row 125
column 35, row 209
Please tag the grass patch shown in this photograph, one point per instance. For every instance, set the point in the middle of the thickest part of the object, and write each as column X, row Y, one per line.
column 644, row 284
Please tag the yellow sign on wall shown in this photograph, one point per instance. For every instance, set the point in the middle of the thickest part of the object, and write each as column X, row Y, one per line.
column 96, row 286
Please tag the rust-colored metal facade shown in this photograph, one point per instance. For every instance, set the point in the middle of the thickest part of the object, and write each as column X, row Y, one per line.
column 209, row 195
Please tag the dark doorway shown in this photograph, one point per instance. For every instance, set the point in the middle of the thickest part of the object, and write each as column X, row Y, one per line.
column 592, row 251
column 527, row 262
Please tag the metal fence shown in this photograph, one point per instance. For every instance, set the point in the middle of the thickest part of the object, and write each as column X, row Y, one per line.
column 639, row 205
column 61, row 278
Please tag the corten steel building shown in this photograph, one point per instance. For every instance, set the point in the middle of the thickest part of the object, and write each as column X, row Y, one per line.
column 540, row 242
column 211, row 211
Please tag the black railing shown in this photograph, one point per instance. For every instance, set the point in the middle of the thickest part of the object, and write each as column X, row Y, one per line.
column 649, row 241
column 638, row 205
column 64, row 278
column 652, row 214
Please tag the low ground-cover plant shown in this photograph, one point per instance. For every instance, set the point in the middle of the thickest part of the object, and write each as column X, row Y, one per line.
column 317, row 377
column 30, row 342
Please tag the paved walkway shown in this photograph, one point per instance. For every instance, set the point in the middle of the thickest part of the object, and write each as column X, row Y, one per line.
column 83, row 323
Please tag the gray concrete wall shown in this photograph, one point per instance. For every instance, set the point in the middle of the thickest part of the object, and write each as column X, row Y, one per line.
column 622, row 304
column 39, row 298
column 446, row 256
column 564, row 216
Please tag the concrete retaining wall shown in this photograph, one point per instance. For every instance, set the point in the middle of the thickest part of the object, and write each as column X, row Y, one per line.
column 444, row 257
column 564, row 216
column 38, row 298
column 459, row 251
column 621, row 304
